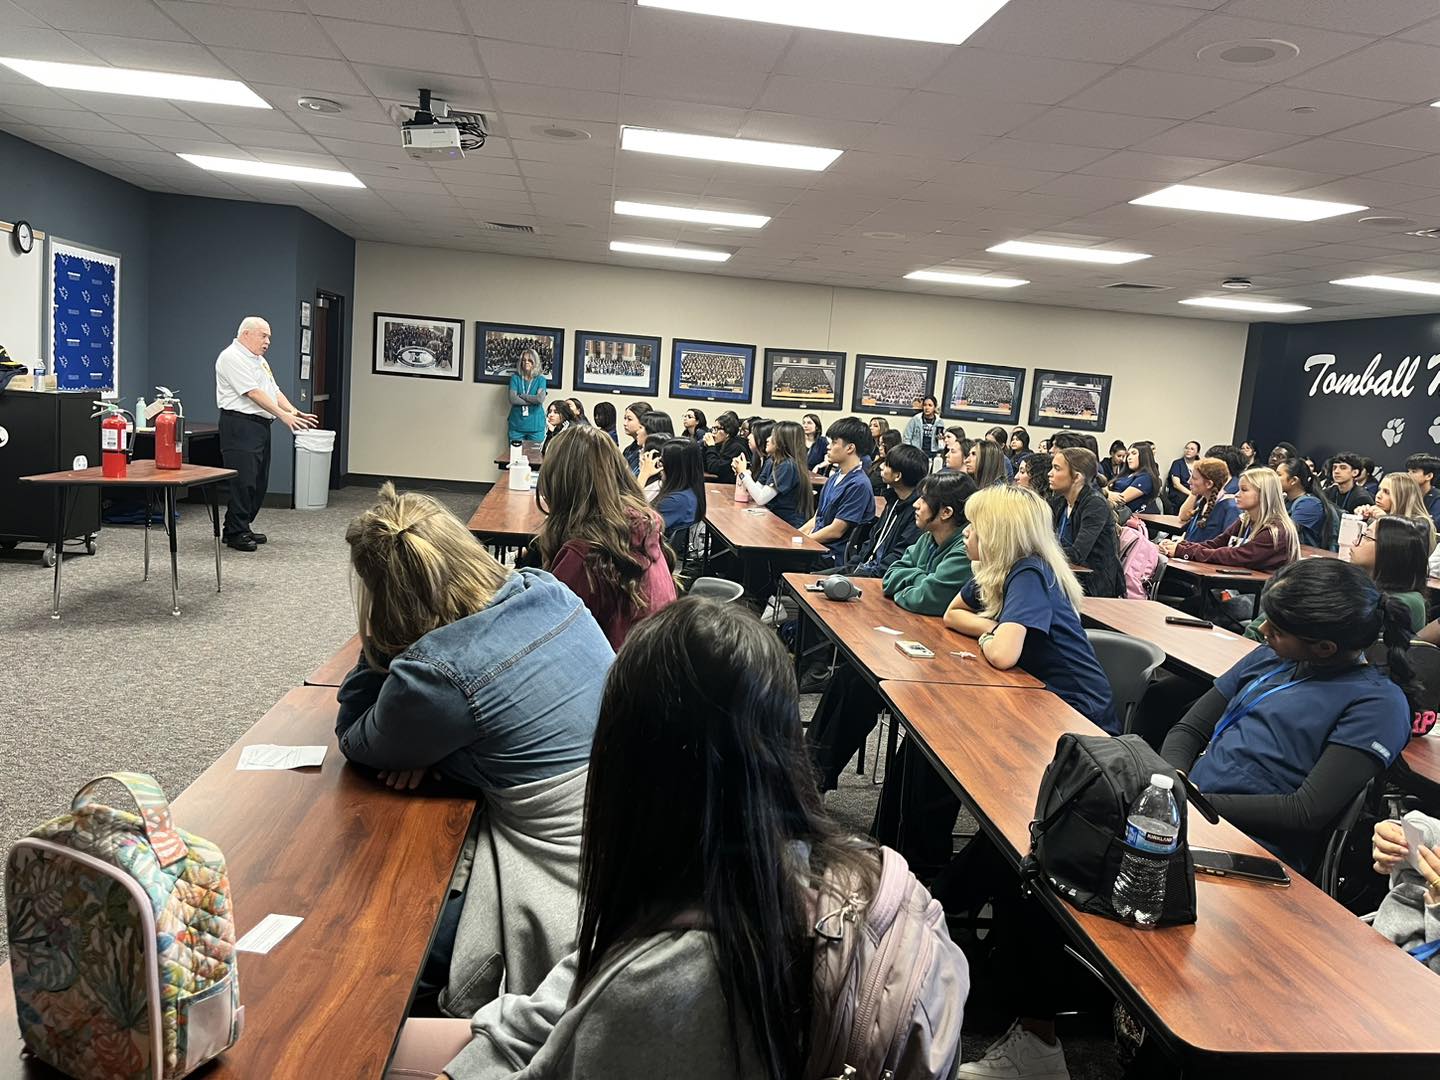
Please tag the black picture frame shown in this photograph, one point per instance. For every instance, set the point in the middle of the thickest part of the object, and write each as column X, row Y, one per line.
column 1044, row 382
column 867, row 365
column 778, row 360
column 603, row 384
column 950, row 404
column 551, row 338
column 387, row 351
column 681, row 348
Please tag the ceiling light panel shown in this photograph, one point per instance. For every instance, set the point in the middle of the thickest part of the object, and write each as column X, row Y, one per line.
column 733, row 151
column 682, row 213
column 947, row 22
column 1244, row 203
column 1064, row 251
column 946, row 278
column 265, row 170
column 700, row 254
column 1391, row 284
column 136, row 83
column 1268, row 307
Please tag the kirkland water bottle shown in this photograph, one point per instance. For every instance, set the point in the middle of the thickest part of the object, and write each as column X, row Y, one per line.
column 1151, row 836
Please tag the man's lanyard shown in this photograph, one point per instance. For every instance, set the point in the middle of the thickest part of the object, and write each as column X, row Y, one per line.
column 1423, row 953
column 1242, row 706
column 1065, row 523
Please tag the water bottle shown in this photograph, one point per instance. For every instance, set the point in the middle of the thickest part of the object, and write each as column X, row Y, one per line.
column 1151, row 835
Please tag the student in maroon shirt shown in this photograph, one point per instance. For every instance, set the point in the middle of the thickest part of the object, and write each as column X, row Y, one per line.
column 1262, row 538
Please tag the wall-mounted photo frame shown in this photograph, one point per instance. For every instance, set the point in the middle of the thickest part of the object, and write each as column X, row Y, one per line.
column 712, row 370
column 617, row 363
column 985, row 393
column 418, row 346
column 803, row 379
column 891, row 385
column 498, row 347
column 1074, row 400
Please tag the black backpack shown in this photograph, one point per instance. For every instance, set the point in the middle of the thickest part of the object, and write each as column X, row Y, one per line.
column 1076, row 838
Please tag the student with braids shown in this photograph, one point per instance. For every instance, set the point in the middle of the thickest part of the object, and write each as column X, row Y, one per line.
column 1286, row 738
column 1263, row 536
column 1209, row 510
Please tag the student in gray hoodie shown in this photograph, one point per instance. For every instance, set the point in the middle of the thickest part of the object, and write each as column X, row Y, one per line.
column 703, row 839
column 1410, row 914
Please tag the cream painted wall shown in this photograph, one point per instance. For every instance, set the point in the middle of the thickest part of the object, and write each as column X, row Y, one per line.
column 1174, row 379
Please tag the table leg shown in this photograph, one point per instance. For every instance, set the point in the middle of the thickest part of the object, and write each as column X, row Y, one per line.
column 174, row 559
column 802, row 622
column 148, row 504
column 67, row 499
column 705, row 567
column 212, row 502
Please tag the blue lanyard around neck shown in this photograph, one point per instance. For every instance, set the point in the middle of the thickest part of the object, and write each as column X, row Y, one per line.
column 1423, row 953
column 1243, row 704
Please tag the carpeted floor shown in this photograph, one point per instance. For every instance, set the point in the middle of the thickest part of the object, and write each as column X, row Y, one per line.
column 119, row 683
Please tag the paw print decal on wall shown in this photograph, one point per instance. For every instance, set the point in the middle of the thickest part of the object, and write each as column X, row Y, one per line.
column 1435, row 431
column 1395, row 429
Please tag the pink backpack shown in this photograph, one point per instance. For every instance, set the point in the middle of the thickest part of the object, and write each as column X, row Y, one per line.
column 1139, row 558
column 890, row 985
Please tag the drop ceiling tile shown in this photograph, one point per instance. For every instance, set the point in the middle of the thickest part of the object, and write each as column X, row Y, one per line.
column 1317, row 46
column 556, row 102
column 964, row 114
column 972, row 70
column 424, row 50
column 1117, row 189
column 1376, row 194
column 43, row 44
column 1399, row 71
column 13, row 16
column 869, row 61
column 207, row 143
column 31, row 93
column 276, row 140
column 693, row 77
column 1337, row 157
column 336, row 128
column 566, row 24
column 1261, row 178
column 365, row 151
column 938, row 142
column 738, row 44
column 439, row 15
column 1074, row 127
column 1131, row 165
column 226, row 114
column 1054, row 157
column 1424, row 172
column 1376, row 19
column 695, row 117
column 1411, row 129
column 510, row 61
column 267, row 31
column 1138, row 92
column 61, row 119
column 178, row 57
column 136, row 17
column 318, row 75
column 841, row 134
column 1197, row 139
column 176, row 128
column 829, row 100
column 1428, row 210
column 1109, row 31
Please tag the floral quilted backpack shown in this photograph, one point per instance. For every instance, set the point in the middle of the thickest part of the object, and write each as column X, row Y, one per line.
column 122, row 940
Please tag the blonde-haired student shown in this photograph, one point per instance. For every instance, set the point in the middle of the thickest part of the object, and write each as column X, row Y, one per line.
column 1262, row 538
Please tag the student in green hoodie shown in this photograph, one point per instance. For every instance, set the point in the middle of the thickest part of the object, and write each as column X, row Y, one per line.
column 927, row 577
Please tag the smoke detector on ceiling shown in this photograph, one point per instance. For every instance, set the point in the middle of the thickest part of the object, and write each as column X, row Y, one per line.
column 319, row 105
column 1136, row 286
column 1239, row 284
column 555, row 131
column 1386, row 221
column 1251, row 52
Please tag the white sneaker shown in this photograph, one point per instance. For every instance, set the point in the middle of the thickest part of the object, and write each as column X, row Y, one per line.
column 1018, row 1055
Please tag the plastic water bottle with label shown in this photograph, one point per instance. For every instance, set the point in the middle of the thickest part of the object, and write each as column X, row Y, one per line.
column 1152, row 834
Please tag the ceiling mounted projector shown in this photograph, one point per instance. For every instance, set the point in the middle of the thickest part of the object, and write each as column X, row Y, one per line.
column 437, row 132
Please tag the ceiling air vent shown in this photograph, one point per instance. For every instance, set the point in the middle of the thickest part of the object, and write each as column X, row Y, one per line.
column 1135, row 286
column 500, row 226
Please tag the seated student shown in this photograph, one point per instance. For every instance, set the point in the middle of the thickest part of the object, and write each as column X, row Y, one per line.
column 1234, row 461
column 1284, row 740
column 957, row 453
column 693, row 424
column 757, row 445
column 706, row 854
column 1410, row 914
column 1177, row 481
column 1114, row 464
column 1392, row 550
column 1316, row 521
column 1282, row 451
column 577, row 409
column 599, row 535
column 1208, row 510
column 1399, row 496
column 1366, row 478
column 680, row 500
column 897, row 529
column 815, row 441
column 1422, row 469
column 846, row 500
column 878, row 427
column 986, row 463
column 491, row 679
column 605, row 420
column 1138, row 487
column 1249, row 456
column 527, row 395
column 655, row 422
column 652, row 469
column 722, row 445
column 1262, row 538
column 924, row 581
column 1018, row 448
column 783, row 486
column 1345, row 490
column 1001, row 438
column 1083, row 521
column 630, row 424
column 1033, row 471
column 886, row 441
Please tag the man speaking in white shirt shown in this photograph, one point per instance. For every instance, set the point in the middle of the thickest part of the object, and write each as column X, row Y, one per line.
column 249, row 398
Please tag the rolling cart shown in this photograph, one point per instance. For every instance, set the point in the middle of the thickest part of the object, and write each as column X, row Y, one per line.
column 44, row 432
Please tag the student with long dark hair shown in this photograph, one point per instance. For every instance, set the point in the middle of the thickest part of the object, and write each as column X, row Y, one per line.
column 577, row 409
column 758, row 443
column 630, row 423
column 706, row 858
column 605, row 420
column 783, row 486
column 1316, row 521
column 986, row 463
column 1084, row 522
column 1001, row 438
column 656, row 422
column 1114, row 464
column 1138, row 487
column 1019, row 446
column 722, row 445
column 558, row 417
column 694, row 425
column 886, row 441
column 680, row 502
column 1286, row 738
column 1249, row 456
column 902, row 470
column 1393, row 551
column 815, row 441
column 1033, row 471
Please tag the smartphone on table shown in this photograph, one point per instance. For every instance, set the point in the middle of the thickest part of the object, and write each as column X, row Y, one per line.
column 1233, row 864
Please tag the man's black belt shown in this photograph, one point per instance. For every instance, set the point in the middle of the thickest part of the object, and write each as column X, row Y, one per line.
column 248, row 416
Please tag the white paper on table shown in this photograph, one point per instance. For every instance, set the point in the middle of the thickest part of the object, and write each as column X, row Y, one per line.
column 268, row 933
column 263, row 756
column 888, row 630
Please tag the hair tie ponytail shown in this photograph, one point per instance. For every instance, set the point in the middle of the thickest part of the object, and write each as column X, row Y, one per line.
column 1395, row 620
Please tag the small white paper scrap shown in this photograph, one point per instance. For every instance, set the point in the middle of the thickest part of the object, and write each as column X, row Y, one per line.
column 268, row 933
column 263, row 756
column 888, row 630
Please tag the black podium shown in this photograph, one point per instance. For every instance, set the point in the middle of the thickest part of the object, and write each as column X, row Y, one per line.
column 45, row 432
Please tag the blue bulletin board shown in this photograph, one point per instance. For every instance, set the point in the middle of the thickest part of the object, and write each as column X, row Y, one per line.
column 83, row 330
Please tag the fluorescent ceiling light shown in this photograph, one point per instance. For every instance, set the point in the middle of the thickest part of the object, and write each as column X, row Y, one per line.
column 135, row 83
column 1268, row 306
column 1064, row 251
column 946, row 278
column 703, row 254
column 266, row 170
column 948, row 22
column 737, row 151
column 680, row 213
column 1246, row 203
column 1393, row 284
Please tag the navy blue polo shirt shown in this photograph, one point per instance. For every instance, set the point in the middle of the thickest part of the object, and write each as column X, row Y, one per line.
column 1309, row 518
column 785, row 479
column 1222, row 516
column 1056, row 650
column 848, row 498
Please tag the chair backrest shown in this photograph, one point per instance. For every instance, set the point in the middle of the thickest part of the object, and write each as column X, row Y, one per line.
column 856, row 541
column 1152, row 587
column 716, row 588
column 1425, row 659
column 1129, row 664
column 1327, row 876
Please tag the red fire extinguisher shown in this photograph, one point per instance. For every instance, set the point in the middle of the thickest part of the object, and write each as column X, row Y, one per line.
column 169, row 432
column 114, row 441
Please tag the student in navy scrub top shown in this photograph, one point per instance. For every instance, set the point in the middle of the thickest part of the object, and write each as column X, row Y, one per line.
column 1209, row 510
column 680, row 502
column 605, row 420
column 815, row 441
column 1423, row 469
column 1084, row 522
column 693, row 423
column 1345, row 490
column 987, row 463
column 783, row 486
column 1114, row 464
column 902, row 470
column 1139, row 486
column 1234, row 461
column 632, row 426
column 1308, row 508
column 1177, row 481
column 1249, row 456
column 1287, row 737
column 1367, row 478
column 527, row 400
column 846, row 500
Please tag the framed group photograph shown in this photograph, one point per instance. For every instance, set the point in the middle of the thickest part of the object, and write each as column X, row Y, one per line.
column 893, row 385
column 712, row 370
column 803, row 379
column 418, row 346
column 617, row 363
column 498, row 347
column 982, row 392
column 1069, row 399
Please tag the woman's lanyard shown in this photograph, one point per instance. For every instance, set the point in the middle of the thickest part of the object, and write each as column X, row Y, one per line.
column 1423, row 953
column 1065, row 523
column 1243, row 705
column 528, row 389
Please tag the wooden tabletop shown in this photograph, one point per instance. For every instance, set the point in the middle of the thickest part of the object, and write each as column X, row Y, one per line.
column 1166, row 522
column 532, row 455
column 333, row 671
column 747, row 527
column 366, row 867
column 1422, row 754
column 851, row 624
column 1208, row 653
column 506, row 514
column 1213, row 571
column 140, row 473
column 1308, row 552
column 1263, row 971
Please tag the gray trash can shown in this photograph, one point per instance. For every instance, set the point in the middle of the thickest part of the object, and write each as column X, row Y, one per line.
column 312, row 469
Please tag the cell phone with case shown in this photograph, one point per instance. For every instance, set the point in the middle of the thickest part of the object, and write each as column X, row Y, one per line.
column 1233, row 864
column 914, row 650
